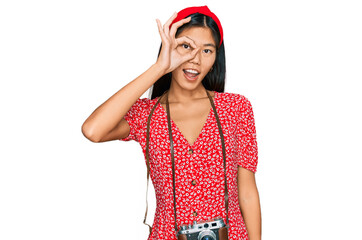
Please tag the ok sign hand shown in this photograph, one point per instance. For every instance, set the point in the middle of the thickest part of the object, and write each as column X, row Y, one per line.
column 169, row 58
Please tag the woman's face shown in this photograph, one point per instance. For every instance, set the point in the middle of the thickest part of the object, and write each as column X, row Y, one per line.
column 191, row 73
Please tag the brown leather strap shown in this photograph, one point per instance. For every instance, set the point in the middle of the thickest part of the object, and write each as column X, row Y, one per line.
column 224, row 157
column 172, row 156
column 148, row 161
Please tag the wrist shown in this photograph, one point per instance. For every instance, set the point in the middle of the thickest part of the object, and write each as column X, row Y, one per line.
column 158, row 69
column 162, row 67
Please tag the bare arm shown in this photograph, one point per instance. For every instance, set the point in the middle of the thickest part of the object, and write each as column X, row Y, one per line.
column 99, row 125
column 106, row 122
column 249, row 202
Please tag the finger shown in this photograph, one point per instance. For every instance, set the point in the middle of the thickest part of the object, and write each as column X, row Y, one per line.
column 176, row 25
column 190, row 55
column 166, row 27
column 160, row 30
column 184, row 39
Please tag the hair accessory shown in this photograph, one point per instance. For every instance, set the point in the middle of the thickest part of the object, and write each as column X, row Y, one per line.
column 203, row 10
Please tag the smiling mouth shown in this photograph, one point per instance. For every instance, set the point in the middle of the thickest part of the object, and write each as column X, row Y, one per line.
column 191, row 73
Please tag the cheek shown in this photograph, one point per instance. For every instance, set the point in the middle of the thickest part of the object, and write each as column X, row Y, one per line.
column 177, row 72
column 209, row 62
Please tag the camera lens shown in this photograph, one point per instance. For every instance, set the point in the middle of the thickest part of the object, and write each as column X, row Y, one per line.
column 207, row 235
column 207, row 238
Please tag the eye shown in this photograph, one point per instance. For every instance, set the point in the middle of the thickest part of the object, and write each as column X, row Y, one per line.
column 184, row 45
column 207, row 51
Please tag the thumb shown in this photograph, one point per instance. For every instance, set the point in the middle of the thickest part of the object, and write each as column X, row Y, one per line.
column 190, row 55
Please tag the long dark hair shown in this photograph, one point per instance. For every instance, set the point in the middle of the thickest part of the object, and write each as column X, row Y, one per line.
column 214, row 80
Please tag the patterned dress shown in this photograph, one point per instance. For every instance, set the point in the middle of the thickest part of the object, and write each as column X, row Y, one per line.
column 199, row 175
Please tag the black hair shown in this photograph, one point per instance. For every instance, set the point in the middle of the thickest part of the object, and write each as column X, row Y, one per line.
column 215, row 79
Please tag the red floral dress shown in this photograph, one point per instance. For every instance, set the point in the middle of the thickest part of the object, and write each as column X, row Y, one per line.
column 199, row 175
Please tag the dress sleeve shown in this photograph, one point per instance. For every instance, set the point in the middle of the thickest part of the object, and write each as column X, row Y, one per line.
column 136, row 117
column 247, row 150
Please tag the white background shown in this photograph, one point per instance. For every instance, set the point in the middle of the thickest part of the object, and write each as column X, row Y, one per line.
column 298, row 62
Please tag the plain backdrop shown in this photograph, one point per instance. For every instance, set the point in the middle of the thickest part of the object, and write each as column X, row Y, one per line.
column 298, row 62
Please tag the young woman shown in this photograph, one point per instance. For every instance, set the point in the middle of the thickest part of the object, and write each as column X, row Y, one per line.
column 187, row 79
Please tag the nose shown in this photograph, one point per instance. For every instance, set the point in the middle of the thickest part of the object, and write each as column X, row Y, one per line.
column 197, row 58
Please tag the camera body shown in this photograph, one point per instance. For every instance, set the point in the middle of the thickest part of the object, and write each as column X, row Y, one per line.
column 213, row 229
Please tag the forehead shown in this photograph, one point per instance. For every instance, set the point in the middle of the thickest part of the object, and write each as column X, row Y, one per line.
column 201, row 35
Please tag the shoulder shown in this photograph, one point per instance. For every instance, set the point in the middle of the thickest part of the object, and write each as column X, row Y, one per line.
column 234, row 101
column 142, row 104
column 143, row 101
column 139, row 109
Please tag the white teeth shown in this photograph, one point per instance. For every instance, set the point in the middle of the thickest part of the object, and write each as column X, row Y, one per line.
column 191, row 71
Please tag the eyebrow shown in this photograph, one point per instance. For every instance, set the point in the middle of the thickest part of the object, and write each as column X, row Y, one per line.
column 206, row 44
column 209, row 45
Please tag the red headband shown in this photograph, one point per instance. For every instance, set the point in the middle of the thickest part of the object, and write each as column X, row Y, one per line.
column 203, row 10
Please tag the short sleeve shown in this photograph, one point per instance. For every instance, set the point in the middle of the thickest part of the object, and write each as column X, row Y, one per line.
column 136, row 117
column 247, row 150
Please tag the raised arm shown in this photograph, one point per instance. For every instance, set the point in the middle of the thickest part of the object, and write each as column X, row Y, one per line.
column 106, row 123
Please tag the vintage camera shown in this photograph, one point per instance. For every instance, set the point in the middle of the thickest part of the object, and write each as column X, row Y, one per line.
column 214, row 229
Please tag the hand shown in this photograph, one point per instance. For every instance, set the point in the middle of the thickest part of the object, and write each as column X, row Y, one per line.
column 169, row 58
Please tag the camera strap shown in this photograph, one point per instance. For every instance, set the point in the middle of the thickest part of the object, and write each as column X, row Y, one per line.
column 173, row 162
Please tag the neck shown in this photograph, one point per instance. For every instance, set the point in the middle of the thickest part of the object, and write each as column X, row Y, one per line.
column 186, row 96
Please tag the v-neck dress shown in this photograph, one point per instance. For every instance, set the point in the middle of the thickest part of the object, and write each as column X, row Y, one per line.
column 199, row 176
